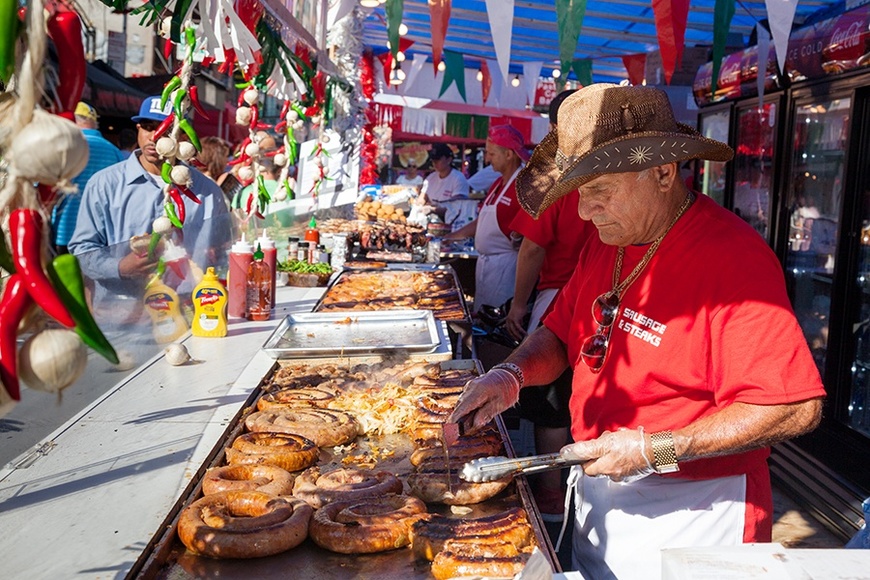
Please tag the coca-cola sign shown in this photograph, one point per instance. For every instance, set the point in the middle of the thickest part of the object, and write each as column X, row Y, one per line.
column 831, row 46
column 737, row 76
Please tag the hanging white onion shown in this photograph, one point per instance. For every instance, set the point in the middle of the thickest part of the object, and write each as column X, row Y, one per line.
column 180, row 175
column 246, row 173
column 52, row 360
column 176, row 354
column 243, row 116
column 166, row 147
column 49, row 149
column 186, row 150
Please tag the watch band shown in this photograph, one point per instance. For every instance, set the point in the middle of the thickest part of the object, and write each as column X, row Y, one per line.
column 514, row 370
column 664, row 452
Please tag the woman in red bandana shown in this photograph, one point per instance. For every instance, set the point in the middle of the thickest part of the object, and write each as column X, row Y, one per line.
column 497, row 244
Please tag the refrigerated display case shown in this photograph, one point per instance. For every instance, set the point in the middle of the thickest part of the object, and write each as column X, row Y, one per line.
column 754, row 164
column 711, row 178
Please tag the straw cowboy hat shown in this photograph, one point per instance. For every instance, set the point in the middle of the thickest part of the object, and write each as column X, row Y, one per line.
column 606, row 128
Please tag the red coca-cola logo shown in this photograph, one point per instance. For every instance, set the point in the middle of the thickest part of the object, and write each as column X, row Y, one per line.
column 846, row 41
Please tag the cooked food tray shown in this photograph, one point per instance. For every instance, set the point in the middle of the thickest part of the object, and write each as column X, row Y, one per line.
column 316, row 334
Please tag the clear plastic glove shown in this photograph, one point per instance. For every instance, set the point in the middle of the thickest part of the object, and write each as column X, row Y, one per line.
column 485, row 397
column 621, row 455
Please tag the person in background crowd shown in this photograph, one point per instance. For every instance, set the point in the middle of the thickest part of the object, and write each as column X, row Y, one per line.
column 688, row 361
column 495, row 240
column 483, row 178
column 215, row 155
column 445, row 188
column 121, row 202
column 411, row 176
column 548, row 255
column 101, row 154
column 127, row 141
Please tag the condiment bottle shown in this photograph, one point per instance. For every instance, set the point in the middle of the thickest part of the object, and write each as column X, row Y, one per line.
column 162, row 305
column 302, row 253
column 311, row 234
column 241, row 255
column 292, row 247
column 209, row 307
column 259, row 301
column 270, row 257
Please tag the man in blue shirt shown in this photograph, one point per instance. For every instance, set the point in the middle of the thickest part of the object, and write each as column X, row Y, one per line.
column 122, row 201
column 101, row 154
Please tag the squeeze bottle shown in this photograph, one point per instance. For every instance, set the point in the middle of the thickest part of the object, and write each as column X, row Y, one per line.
column 311, row 234
column 163, row 306
column 259, row 303
column 209, row 307
column 240, row 258
column 270, row 258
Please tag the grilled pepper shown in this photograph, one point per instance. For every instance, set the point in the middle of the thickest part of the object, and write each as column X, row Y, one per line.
column 66, row 275
column 25, row 225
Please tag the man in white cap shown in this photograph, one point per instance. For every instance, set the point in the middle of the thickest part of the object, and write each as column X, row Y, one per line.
column 688, row 360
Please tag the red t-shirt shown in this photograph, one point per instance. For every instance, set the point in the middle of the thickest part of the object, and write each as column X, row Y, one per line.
column 507, row 207
column 706, row 324
column 561, row 232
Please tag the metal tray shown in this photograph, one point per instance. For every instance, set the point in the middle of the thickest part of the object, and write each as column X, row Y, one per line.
column 165, row 557
column 318, row 334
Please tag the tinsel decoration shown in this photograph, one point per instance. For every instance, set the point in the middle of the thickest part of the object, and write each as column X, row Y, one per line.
column 368, row 152
column 367, row 74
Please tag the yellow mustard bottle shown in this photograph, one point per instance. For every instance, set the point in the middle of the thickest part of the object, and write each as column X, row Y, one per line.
column 209, row 307
column 163, row 306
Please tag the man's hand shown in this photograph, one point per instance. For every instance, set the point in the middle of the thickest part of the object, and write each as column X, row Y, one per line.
column 134, row 265
column 514, row 320
column 623, row 455
column 485, row 397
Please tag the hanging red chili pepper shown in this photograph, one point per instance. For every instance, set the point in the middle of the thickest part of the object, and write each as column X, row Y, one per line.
column 180, row 210
column 25, row 226
column 193, row 93
column 186, row 191
column 167, row 49
column 13, row 306
column 65, row 29
column 164, row 126
column 255, row 116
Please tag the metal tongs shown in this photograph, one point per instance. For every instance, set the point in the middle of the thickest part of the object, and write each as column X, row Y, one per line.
column 493, row 468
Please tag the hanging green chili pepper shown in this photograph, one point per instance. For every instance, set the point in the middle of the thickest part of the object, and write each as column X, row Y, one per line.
column 177, row 101
column 164, row 126
column 261, row 189
column 65, row 29
column 190, row 39
column 170, row 213
column 185, row 126
column 25, row 226
column 13, row 306
column 66, row 275
column 152, row 243
column 166, row 172
column 6, row 256
column 180, row 210
column 8, row 38
column 291, row 195
column 170, row 86
column 193, row 93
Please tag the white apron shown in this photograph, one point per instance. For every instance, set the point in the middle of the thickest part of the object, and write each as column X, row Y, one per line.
column 542, row 302
column 615, row 535
column 496, row 270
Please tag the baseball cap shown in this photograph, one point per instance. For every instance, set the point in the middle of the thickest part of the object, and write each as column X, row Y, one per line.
column 85, row 110
column 440, row 150
column 150, row 110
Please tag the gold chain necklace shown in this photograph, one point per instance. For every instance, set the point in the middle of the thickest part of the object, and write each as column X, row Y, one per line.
column 620, row 288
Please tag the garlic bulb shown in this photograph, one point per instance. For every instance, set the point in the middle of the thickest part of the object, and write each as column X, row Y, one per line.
column 251, row 96
column 246, row 173
column 176, row 354
column 252, row 149
column 161, row 225
column 292, row 116
column 166, row 146
column 280, row 160
column 180, row 175
column 186, row 150
column 243, row 116
column 52, row 359
column 280, row 193
column 49, row 149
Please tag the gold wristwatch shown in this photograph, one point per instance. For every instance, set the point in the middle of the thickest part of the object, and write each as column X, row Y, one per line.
column 664, row 452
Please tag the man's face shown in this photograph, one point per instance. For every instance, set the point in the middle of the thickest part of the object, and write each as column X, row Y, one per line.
column 624, row 207
column 145, row 139
column 498, row 156
column 441, row 164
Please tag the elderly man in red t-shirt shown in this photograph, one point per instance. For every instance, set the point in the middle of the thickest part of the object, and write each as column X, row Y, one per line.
column 688, row 360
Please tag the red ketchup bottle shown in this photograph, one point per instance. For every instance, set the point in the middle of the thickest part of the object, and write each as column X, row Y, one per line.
column 240, row 258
